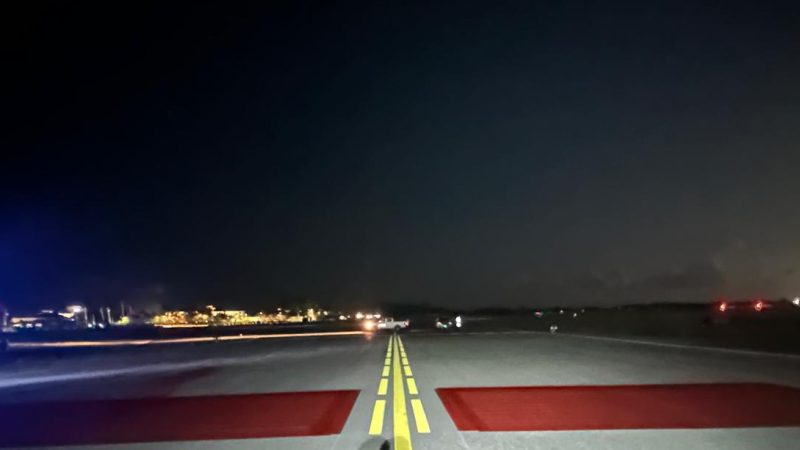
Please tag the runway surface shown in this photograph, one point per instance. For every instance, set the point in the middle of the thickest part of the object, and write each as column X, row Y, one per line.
column 420, row 390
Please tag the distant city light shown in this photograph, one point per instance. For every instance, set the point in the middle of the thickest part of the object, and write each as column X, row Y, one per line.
column 796, row 301
column 359, row 315
column 78, row 316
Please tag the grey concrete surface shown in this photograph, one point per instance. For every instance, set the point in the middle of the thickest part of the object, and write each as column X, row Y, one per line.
column 438, row 360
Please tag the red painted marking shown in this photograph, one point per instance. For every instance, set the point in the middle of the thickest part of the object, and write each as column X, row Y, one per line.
column 622, row 407
column 175, row 418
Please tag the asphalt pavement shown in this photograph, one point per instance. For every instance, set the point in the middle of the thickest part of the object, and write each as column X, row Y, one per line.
column 385, row 393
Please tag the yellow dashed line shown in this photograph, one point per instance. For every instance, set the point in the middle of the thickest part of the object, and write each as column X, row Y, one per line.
column 412, row 386
column 402, row 433
column 376, row 425
column 419, row 416
column 395, row 359
column 379, row 411
column 383, row 386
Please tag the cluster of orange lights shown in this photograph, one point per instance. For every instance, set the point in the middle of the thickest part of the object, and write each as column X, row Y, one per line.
column 758, row 306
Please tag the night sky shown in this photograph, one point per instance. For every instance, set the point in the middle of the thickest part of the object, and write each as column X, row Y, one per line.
column 462, row 155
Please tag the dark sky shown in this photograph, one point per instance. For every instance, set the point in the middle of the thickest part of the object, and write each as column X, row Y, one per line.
column 463, row 154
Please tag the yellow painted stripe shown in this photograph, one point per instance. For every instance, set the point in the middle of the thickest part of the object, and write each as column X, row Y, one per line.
column 385, row 371
column 402, row 432
column 388, row 361
column 407, row 370
column 405, row 361
column 376, row 425
column 412, row 386
column 419, row 416
column 383, row 386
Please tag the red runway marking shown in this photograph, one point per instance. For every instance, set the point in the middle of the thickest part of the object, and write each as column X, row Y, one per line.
column 175, row 418
column 622, row 407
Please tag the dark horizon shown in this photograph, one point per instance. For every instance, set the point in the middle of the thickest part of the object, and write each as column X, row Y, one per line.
column 461, row 156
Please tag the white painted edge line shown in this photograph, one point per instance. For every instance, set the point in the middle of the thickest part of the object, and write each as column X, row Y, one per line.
column 135, row 342
column 26, row 379
column 671, row 345
column 633, row 341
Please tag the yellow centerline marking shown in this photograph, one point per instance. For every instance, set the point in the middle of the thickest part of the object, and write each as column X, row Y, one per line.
column 412, row 386
column 402, row 433
column 383, row 386
column 419, row 416
column 395, row 360
column 376, row 424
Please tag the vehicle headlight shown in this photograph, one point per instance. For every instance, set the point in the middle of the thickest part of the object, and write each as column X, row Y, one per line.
column 369, row 325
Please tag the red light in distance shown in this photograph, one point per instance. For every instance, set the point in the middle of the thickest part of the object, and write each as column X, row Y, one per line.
column 723, row 307
column 759, row 306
